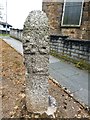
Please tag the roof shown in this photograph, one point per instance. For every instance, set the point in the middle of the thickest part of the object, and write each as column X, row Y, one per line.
column 4, row 23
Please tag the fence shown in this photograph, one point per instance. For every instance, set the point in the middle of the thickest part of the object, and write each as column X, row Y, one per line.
column 16, row 33
column 78, row 49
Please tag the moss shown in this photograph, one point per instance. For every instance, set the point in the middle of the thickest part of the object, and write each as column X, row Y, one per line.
column 82, row 64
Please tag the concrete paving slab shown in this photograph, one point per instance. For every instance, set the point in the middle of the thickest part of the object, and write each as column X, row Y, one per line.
column 82, row 96
column 58, row 66
column 53, row 59
column 14, row 43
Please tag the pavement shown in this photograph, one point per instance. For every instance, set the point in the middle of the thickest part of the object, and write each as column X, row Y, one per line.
column 67, row 75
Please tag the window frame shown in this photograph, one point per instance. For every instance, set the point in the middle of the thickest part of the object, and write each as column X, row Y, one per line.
column 67, row 25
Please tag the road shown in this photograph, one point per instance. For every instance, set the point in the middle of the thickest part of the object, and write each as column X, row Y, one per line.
column 67, row 75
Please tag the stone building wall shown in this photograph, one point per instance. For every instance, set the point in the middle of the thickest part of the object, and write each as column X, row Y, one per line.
column 54, row 12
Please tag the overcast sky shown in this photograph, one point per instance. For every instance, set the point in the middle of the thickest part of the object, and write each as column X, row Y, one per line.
column 17, row 10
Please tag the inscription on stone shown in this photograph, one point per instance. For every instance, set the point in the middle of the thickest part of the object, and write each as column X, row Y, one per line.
column 36, row 59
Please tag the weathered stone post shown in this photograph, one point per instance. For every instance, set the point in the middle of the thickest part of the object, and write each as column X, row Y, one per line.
column 36, row 54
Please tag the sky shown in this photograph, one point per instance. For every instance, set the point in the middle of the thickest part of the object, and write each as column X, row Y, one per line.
column 18, row 10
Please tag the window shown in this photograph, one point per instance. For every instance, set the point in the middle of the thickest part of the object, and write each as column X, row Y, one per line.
column 4, row 26
column 7, row 26
column 72, row 13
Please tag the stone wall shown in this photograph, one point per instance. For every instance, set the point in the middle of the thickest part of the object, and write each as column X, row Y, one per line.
column 73, row 48
column 16, row 33
column 54, row 12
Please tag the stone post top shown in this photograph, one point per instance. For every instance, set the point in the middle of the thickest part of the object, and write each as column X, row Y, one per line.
column 35, row 19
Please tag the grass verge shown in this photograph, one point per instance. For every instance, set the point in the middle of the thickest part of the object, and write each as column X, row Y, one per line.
column 4, row 35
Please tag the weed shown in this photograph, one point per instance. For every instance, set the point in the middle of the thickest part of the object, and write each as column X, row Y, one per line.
column 82, row 64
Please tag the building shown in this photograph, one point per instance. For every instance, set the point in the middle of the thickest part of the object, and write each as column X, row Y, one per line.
column 69, row 17
column 5, row 28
